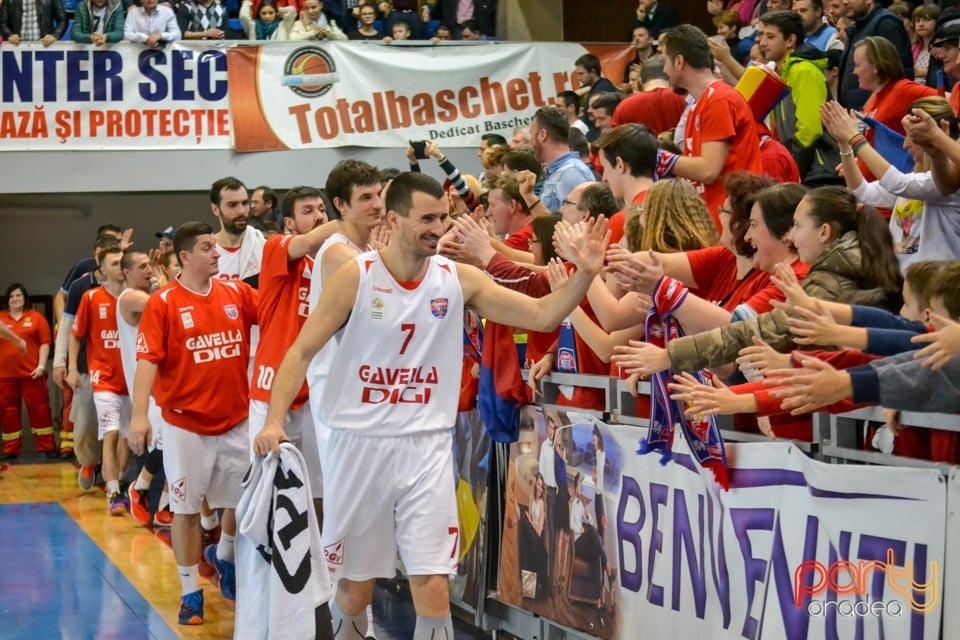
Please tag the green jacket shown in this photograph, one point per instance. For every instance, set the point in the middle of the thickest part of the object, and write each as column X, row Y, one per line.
column 797, row 116
column 83, row 22
column 835, row 276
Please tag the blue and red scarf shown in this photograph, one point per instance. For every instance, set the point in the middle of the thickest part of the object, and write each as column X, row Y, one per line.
column 702, row 432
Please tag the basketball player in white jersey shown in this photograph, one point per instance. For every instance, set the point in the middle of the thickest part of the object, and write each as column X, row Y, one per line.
column 353, row 187
column 140, row 281
column 240, row 245
column 390, row 409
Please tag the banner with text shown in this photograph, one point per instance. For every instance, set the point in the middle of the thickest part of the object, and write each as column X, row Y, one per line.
column 71, row 97
column 796, row 549
column 297, row 96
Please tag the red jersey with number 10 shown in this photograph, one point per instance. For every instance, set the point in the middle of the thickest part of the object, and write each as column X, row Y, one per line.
column 201, row 346
column 97, row 322
column 284, row 288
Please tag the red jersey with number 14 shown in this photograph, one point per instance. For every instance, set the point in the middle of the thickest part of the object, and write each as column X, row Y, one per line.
column 284, row 288
column 201, row 346
column 97, row 322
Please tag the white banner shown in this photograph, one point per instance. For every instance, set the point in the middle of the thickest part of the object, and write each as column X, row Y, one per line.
column 307, row 95
column 71, row 97
column 796, row 548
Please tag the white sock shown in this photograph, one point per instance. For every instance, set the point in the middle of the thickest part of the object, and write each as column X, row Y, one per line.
column 225, row 548
column 371, row 633
column 113, row 486
column 209, row 522
column 164, row 500
column 142, row 484
column 189, row 578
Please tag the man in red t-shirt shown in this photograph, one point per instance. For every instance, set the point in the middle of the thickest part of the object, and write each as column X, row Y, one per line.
column 720, row 135
column 192, row 351
column 658, row 106
column 285, row 273
column 96, row 322
column 628, row 155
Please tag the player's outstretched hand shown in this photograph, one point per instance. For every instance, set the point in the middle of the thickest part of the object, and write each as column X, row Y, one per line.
column 268, row 440
column 704, row 399
column 761, row 358
column 815, row 327
column 140, row 434
column 584, row 244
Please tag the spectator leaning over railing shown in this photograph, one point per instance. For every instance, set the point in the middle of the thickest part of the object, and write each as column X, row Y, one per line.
column 151, row 24
column 925, row 223
column 43, row 21
column 850, row 252
column 903, row 382
column 98, row 22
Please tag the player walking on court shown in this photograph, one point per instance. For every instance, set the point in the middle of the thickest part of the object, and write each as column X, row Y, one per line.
column 192, row 351
column 390, row 409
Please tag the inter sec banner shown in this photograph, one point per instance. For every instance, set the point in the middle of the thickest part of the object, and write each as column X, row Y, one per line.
column 310, row 95
column 601, row 539
column 71, row 97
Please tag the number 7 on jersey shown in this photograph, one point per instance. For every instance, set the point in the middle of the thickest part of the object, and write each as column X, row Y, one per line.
column 409, row 329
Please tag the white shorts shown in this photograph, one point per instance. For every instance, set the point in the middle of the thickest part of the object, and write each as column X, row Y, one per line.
column 113, row 413
column 199, row 467
column 302, row 433
column 385, row 495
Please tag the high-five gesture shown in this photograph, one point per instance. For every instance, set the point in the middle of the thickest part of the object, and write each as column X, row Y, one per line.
column 585, row 243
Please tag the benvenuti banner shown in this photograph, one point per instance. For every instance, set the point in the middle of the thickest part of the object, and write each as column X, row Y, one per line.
column 72, row 97
column 796, row 549
column 314, row 95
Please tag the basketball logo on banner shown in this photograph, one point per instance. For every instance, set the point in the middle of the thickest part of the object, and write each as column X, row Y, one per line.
column 309, row 72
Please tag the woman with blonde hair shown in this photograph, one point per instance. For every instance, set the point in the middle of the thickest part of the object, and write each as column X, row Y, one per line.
column 678, row 220
column 925, row 223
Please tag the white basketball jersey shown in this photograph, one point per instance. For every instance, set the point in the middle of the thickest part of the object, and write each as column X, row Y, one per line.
column 229, row 263
column 320, row 365
column 127, row 338
column 400, row 355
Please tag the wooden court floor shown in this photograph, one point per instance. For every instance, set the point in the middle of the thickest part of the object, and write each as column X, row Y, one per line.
column 70, row 570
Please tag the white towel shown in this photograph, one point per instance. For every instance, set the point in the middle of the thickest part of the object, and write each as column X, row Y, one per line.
column 282, row 576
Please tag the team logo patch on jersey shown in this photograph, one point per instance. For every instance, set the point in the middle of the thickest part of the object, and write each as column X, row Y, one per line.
column 142, row 344
column 187, row 319
column 231, row 311
column 334, row 553
column 376, row 308
column 438, row 307
column 103, row 311
column 178, row 490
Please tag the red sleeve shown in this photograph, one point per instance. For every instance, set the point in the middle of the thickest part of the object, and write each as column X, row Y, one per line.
column 43, row 334
column 81, row 321
column 275, row 262
column 616, row 225
column 842, row 359
column 513, row 276
column 251, row 302
column 521, row 239
column 151, row 342
column 761, row 301
column 703, row 266
column 716, row 121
